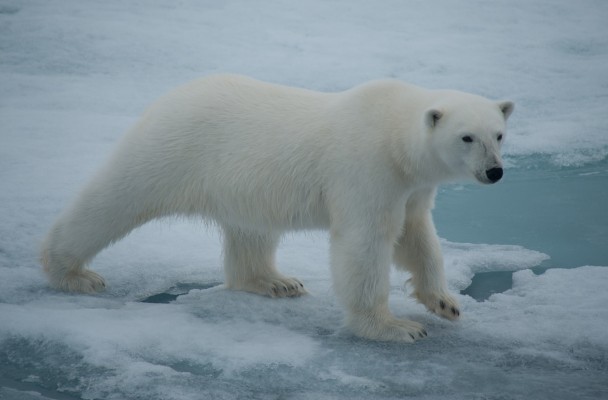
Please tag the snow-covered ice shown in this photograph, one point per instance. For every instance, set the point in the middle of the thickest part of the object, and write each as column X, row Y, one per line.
column 74, row 75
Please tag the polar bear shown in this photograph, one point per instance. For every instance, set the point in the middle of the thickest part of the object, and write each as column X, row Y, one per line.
column 261, row 159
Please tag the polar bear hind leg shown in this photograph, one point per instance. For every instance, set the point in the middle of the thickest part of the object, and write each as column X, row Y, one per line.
column 249, row 264
column 101, row 215
column 70, row 276
column 67, row 272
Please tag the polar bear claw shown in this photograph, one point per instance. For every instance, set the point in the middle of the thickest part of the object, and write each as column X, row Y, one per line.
column 81, row 281
column 442, row 304
column 386, row 328
column 274, row 287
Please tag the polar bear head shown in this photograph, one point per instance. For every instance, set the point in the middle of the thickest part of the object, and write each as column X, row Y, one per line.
column 466, row 134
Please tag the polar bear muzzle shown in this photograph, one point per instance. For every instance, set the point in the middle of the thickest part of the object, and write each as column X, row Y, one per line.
column 494, row 174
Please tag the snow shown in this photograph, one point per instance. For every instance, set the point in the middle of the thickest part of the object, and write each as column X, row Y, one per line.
column 74, row 75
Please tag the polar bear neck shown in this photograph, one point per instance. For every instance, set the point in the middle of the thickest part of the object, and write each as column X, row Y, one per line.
column 388, row 113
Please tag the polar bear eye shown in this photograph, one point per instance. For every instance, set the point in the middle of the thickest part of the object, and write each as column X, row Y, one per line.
column 467, row 139
column 499, row 138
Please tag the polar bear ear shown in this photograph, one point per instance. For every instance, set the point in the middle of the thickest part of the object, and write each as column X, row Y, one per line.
column 506, row 107
column 432, row 117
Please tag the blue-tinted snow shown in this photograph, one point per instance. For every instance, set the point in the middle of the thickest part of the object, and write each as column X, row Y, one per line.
column 74, row 75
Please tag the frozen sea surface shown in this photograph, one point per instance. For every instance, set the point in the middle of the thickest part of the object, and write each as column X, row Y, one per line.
column 527, row 256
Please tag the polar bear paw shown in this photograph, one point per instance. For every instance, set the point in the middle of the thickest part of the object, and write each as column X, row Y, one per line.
column 274, row 286
column 386, row 328
column 81, row 281
column 285, row 287
column 440, row 303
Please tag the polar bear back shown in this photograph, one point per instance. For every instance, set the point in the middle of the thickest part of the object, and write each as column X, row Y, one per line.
column 255, row 154
column 260, row 145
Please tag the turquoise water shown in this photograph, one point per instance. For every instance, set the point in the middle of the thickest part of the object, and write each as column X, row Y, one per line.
column 560, row 211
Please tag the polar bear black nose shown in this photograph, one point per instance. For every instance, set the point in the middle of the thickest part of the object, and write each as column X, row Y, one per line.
column 494, row 174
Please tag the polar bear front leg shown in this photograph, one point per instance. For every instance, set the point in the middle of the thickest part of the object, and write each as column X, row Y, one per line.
column 418, row 251
column 361, row 267
column 249, row 265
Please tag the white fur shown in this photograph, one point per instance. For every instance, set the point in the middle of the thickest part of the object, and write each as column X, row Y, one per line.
column 261, row 159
